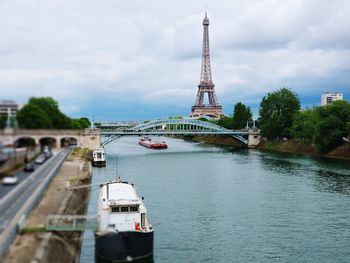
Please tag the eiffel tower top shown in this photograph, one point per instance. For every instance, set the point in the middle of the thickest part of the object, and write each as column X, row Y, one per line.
column 206, row 20
column 206, row 78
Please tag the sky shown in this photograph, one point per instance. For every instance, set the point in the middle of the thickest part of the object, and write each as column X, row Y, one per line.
column 141, row 59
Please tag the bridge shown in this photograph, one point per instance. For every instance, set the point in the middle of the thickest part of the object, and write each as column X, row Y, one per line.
column 183, row 126
column 92, row 137
column 88, row 138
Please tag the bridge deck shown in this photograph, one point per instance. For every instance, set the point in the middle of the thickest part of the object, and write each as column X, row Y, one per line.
column 175, row 132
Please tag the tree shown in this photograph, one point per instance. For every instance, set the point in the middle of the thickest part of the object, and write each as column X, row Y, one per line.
column 44, row 113
column 33, row 117
column 81, row 123
column 276, row 113
column 225, row 121
column 305, row 124
column 3, row 118
column 203, row 119
column 333, row 125
column 241, row 114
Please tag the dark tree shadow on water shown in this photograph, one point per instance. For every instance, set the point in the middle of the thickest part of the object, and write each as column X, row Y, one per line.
column 332, row 182
column 327, row 175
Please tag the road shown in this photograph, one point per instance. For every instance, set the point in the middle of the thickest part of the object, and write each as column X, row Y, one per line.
column 17, row 201
column 21, row 175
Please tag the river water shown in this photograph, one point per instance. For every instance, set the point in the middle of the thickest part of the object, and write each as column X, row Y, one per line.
column 215, row 204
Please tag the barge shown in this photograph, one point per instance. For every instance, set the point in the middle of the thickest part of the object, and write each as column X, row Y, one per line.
column 149, row 143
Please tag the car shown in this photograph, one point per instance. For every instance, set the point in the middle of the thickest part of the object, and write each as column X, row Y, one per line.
column 29, row 167
column 48, row 155
column 46, row 149
column 10, row 180
column 40, row 159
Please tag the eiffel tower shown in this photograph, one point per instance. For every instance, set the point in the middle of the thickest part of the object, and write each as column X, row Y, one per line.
column 206, row 85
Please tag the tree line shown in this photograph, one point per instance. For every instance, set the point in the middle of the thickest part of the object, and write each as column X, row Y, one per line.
column 44, row 113
column 281, row 118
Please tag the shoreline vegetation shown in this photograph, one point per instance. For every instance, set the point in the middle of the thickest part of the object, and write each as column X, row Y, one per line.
column 281, row 119
column 341, row 152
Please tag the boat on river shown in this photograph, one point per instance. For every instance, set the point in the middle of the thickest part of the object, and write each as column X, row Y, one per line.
column 149, row 143
column 124, row 232
column 98, row 157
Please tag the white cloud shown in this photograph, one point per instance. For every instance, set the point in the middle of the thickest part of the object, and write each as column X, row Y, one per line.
column 137, row 51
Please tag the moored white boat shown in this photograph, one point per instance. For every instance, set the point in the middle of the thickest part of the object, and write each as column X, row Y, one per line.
column 98, row 157
column 124, row 232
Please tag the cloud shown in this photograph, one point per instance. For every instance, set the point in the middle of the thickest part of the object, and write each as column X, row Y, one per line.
column 149, row 53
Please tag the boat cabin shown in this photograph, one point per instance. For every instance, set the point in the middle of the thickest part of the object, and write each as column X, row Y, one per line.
column 121, row 209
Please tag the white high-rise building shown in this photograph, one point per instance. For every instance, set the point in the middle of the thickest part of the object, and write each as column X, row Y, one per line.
column 328, row 97
column 9, row 107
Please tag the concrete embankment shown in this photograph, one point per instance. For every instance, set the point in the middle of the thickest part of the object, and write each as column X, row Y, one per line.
column 341, row 152
column 219, row 140
column 17, row 158
column 35, row 244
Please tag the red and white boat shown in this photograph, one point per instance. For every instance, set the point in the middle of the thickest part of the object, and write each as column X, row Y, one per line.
column 147, row 142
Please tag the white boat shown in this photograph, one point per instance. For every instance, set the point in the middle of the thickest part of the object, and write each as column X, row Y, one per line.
column 98, row 157
column 124, row 232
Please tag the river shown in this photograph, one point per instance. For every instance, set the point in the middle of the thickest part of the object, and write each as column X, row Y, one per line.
column 216, row 204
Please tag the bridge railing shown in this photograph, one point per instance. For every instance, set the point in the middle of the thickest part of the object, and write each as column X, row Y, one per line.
column 155, row 131
column 46, row 132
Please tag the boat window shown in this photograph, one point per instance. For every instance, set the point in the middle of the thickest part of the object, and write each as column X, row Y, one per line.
column 124, row 209
column 111, row 226
column 134, row 208
column 115, row 209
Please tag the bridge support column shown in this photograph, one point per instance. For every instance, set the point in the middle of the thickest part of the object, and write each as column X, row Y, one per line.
column 254, row 138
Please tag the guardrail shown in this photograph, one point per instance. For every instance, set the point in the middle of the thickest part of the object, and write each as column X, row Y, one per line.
column 71, row 222
column 12, row 228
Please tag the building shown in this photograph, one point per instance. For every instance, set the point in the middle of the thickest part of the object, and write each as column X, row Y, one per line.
column 328, row 97
column 8, row 107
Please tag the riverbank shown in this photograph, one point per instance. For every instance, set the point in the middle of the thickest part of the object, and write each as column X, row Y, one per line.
column 35, row 244
column 342, row 152
column 219, row 140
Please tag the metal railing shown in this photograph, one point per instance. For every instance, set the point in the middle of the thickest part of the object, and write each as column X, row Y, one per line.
column 71, row 223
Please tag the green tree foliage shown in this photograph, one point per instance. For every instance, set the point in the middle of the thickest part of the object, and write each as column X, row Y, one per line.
column 3, row 118
column 44, row 113
column 276, row 113
column 31, row 116
column 333, row 124
column 203, row 119
column 225, row 121
column 305, row 124
column 241, row 114
column 81, row 123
